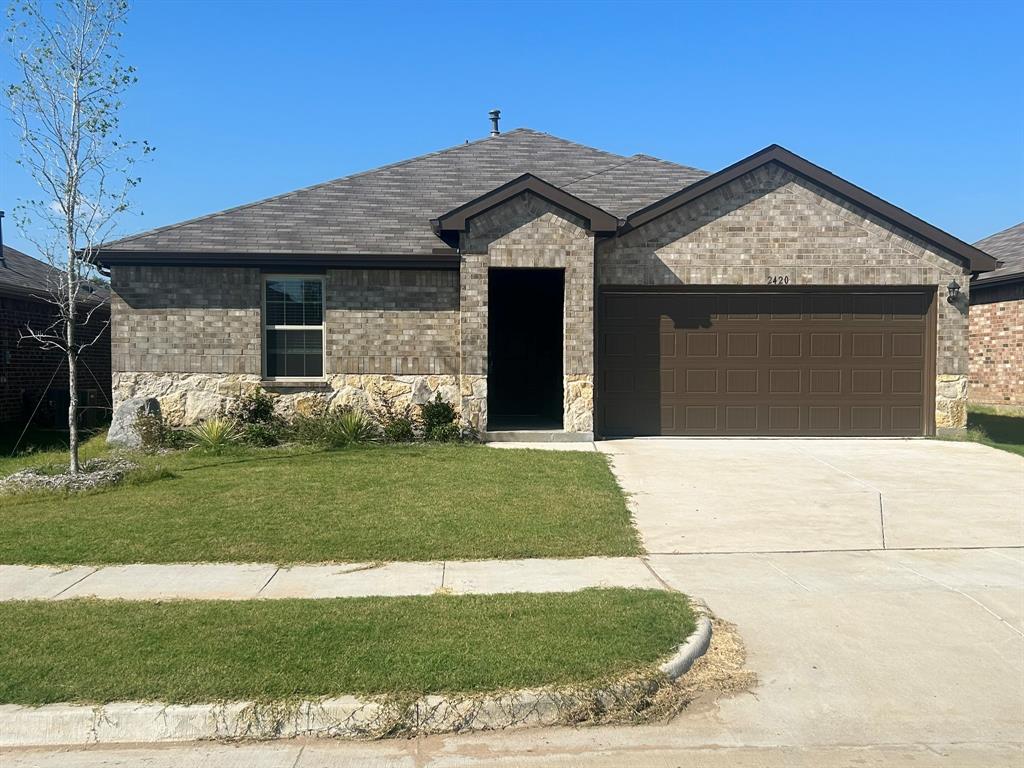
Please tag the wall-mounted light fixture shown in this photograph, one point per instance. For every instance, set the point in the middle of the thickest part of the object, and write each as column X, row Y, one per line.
column 953, row 291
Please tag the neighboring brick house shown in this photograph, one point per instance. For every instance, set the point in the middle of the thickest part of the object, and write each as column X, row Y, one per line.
column 36, row 380
column 997, row 323
column 538, row 283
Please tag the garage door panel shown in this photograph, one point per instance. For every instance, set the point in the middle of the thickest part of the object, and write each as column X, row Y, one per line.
column 740, row 381
column 825, row 381
column 822, row 363
column 907, row 382
column 826, row 344
column 702, row 344
column 741, row 418
column 742, row 344
column 908, row 345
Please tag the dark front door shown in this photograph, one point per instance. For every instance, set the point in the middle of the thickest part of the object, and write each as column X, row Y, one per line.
column 767, row 363
column 524, row 348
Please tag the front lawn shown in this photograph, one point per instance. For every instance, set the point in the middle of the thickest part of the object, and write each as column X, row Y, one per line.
column 93, row 651
column 1000, row 430
column 288, row 505
column 994, row 428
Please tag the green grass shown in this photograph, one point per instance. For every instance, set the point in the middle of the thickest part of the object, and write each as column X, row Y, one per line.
column 415, row 502
column 994, row 428
column 48, row 446
column 100, row 651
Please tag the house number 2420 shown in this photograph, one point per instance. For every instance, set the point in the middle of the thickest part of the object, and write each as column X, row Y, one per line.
column 778, row 280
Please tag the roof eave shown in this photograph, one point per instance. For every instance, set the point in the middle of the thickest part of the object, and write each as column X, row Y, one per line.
column 999, row 280
column 439, row 258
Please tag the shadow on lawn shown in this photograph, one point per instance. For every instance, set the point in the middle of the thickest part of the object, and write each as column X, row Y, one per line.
column 998, row 428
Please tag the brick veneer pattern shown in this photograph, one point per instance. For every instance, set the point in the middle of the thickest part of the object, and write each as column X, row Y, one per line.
column 24, row 378
column 997, row 353
column 771, row 222
column 528, row 231
column 207, row 320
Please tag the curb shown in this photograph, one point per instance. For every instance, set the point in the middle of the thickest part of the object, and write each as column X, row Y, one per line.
column 344, row 717
column 696, row 644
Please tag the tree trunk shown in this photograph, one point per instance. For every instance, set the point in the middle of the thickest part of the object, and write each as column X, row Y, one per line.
column 73, row 466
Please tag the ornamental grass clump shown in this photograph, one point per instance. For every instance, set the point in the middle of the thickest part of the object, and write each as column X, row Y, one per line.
column 214, row 435
column 336, row 428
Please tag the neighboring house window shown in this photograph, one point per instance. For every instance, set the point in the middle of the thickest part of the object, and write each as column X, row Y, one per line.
column 293, row 327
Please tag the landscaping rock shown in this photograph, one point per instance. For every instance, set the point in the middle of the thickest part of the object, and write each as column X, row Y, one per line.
column 122, row 428
column 95, row 473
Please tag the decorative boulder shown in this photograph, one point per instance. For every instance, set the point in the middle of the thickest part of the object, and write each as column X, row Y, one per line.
column 122, row 427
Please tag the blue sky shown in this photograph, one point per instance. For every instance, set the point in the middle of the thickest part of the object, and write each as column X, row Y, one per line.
column 920, row 103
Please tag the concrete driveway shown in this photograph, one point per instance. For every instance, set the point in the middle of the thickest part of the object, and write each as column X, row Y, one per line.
column 743, row 495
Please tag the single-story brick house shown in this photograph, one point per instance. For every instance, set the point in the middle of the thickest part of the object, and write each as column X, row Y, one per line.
column 539, row 283
column 997, row 323
column 33, row 379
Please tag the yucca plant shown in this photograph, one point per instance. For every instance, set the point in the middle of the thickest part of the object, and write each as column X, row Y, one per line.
column 354, row 428
column 214, row 435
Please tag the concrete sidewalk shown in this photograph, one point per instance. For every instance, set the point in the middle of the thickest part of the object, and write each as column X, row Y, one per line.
column 249, row 581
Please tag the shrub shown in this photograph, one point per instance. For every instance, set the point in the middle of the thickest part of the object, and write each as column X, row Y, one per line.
column 262, row 435
column 255, row 417
column 445, row 433
column 256, row 407
column 214, row 435
column 399, row 430
column 334, row 428
column 436, row 414
column 397, row 422
column 309, row 427
column 176, row 439
column 150, row 427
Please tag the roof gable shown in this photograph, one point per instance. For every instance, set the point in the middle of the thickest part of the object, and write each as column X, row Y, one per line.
column 456, row 220
column 977, row 260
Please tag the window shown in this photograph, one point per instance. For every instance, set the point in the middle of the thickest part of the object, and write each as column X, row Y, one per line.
column 293, row 327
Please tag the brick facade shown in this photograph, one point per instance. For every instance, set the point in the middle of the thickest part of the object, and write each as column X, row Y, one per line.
column 392, row 321
column 207, row 320
column 771, row 222
column 431, row 326
column 26, row 369
column 528, row 231
column 997, row 352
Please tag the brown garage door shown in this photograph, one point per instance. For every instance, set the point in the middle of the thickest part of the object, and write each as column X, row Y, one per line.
column 767, row 363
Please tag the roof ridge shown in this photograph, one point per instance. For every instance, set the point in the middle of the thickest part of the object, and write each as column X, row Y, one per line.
column 674, row 164
column 283, row 195
column 568, row 141
column 627, row 161
column 1001, row 232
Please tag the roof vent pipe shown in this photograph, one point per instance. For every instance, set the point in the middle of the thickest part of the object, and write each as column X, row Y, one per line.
column 495, row 115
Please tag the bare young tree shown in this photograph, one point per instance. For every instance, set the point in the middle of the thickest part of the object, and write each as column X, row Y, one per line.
column 66, row 108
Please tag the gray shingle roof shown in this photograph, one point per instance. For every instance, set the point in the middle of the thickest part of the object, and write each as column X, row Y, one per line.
column 1008, row 247
column 388, row 210
column 26, row 276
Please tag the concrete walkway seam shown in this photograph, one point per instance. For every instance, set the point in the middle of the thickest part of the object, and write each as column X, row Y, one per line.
column 342, row 717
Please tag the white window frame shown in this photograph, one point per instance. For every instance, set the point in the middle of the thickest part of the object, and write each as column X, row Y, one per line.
column 264, row 327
